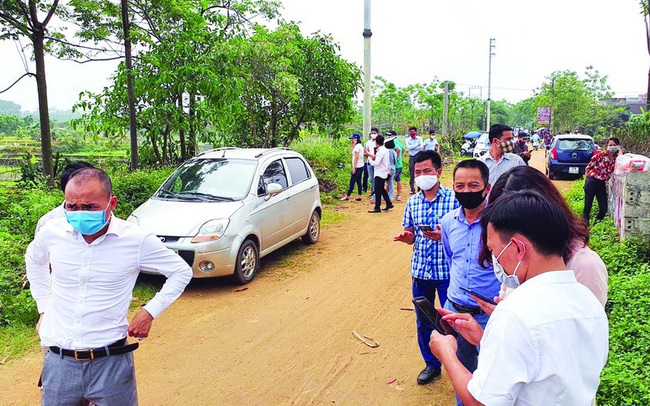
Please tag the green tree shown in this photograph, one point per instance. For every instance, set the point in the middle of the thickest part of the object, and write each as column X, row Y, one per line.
column 287, row 82
column 31, row 19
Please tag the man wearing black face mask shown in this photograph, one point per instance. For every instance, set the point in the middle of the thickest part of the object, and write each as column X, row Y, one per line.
column 499, row 158
column 461, row 241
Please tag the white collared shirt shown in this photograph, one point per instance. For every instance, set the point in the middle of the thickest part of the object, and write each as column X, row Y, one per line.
column 381, row 163
column 86, row 297
column 545, row 344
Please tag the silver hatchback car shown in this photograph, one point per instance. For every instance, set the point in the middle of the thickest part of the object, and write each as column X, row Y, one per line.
column 224, row 209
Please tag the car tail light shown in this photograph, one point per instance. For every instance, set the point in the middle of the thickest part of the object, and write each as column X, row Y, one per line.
column 554, row 153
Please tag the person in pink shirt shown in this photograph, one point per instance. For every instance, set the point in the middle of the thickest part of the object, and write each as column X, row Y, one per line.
column 587, row 265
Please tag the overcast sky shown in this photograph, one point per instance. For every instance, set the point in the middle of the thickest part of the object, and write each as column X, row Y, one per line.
column 415, row 41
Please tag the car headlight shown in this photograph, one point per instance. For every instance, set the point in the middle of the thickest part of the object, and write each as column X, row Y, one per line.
column 132, row 219
column 211, row 230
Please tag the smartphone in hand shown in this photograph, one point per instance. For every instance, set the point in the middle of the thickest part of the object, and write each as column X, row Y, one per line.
column 483, row 298
column 431, row 315
column 425, row 227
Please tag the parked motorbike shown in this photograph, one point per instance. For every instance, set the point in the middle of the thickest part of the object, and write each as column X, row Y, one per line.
column 467, row 149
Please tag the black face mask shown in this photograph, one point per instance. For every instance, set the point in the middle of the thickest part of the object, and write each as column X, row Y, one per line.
column 470, row 200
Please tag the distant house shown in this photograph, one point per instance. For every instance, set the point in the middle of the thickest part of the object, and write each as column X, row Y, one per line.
column 632, row 105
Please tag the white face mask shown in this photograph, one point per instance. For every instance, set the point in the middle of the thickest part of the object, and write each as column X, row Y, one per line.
column 373, row 136
column 509, row 281
column 426, row 182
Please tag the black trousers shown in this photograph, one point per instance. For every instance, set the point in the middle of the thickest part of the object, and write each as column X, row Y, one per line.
column 380, row 191
column 595, row 188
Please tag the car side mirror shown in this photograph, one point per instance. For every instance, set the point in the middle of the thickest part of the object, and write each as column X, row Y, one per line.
column 272, row 189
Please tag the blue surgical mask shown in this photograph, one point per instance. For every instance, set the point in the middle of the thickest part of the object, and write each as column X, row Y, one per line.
column 509, row 281
column 87, row 222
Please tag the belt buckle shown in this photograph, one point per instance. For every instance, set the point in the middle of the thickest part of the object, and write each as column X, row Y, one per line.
column 76, row 356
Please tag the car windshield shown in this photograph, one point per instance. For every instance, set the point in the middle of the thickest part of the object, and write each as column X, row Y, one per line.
column 575, row 145
column 210, row 180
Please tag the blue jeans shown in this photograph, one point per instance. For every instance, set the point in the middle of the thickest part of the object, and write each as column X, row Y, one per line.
column 391, row 185
column 103, row 381
column 355, row 179
column 468, row 353
column 371, row 176
column 428, row 288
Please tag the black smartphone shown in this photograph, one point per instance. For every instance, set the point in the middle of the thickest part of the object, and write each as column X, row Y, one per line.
column 425, row 228
column 432, row 316
column 483, row 298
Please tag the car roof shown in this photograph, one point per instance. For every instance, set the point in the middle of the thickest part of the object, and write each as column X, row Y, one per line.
column 573, row 137
column 245, row 153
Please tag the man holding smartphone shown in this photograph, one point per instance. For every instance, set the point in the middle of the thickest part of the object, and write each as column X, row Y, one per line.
column 429, row 270
column 461, row 241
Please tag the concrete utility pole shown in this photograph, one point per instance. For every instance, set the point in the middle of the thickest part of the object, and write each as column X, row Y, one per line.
column 487, row 120
column 445, row 111
column 367, row 78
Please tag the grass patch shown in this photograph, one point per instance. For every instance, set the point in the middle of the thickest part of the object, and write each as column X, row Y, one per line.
column 332, row 217
column 143, row 291
column 17, row 339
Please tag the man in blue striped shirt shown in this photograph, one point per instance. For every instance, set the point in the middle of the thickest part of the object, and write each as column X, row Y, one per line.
column 461, row 241
column 429, row 269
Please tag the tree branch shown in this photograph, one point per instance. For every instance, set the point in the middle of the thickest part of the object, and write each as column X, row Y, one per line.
column 50, row 13
column 17, row 80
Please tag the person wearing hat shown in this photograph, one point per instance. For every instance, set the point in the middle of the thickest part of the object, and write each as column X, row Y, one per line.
column 357, row 166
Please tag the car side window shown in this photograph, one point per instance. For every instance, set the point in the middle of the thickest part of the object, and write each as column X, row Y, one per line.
column 297, row 169
column 274, row 173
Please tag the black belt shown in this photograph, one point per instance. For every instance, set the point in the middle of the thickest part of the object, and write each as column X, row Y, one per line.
column 466, row 309
column 116, row 348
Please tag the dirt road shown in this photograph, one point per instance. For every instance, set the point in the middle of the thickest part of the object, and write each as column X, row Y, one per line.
column 287, row 337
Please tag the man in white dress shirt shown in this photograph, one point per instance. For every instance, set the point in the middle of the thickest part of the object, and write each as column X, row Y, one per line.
column 380, row 161
column 95, row 259
column 499, row 158
column 547, row 341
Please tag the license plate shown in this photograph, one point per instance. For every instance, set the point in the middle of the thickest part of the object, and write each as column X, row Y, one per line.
column 573, row 169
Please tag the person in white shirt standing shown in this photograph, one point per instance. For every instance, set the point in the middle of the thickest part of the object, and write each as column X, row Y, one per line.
column 357, row 166
column 95, row 259
column 380, row 161
column 432, row 143
column 414, row 145
column 369, row 150
column 547, row 341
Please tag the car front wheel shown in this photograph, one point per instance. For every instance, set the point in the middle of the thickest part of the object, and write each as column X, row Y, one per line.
column 248, row 261
column 313, row 231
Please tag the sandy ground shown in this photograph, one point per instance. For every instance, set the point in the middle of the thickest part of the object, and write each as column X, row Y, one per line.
column 286, row 338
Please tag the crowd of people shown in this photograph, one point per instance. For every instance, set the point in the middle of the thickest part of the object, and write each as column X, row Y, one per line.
column 500, row 250
column 510, row 265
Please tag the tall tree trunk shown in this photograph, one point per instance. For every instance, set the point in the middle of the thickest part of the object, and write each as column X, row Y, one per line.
column 154, row 146
column 129, row 85
column 192, row 116
column 181, row 131
column 43, row 108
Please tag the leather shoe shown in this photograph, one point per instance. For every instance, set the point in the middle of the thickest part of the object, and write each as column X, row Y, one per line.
column 374, row 211
column 428, row 374
column 388, row 208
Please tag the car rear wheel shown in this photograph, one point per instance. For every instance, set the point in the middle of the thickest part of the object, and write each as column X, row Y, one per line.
column 313, row 231
column 248, row 261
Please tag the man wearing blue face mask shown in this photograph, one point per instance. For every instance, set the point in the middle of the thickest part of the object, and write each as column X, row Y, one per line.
column 461, row 241
column 547, row 341
column 95, row 259
column 429, row 269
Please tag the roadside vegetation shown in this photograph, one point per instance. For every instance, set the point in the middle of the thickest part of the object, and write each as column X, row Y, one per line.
column 626, row 378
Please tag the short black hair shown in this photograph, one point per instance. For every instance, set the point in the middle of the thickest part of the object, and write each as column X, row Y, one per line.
column 71, row 168
column 374, row 129
column 512, row 213
column 497, row 130
column 432, row 131
column 429, row 154
column 380, row 139
column 615, row 139
column 86, row 174
column 474, row 164
column 390, row 144
column 412, row 128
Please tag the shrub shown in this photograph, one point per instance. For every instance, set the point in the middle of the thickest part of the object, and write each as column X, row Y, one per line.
column 330, row 160
column 134, row 188
column 625, row 380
